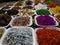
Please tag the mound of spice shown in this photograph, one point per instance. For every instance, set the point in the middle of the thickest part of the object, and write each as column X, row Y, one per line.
column 4, row 19
column 52, row 5
column 40, row 6
column 58, row 17
column 26, row 11
column 27, row 7
column 45, row 20
column 55, row 10
column 18, row 36
column 12, row 12
column 42, row 12
column 2, row 30
column 47, row 36
column 28, row 2
column 21, row 21
column 16, row 8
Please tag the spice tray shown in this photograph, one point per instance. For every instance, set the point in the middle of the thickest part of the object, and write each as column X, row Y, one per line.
column 44, row 28
column 7, row 24
column 2, row 30
column 18, row 35
column 21, row 21
column 40, row 6
column 57, row 17
column 36, row 35
column 47, row 19
column 27, row 5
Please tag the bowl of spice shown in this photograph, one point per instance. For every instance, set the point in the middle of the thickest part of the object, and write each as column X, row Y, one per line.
column 2, row 30
column 18, row 36
column 40, row 6
column 48, row 36
column 28, row 7
column 29, row 3
column 45, row 20
column 12, row 12
column 16, row 8
column 52, row 5
column 21, row 21
column 42, row 12
column 58, row 18
column 26, row 11
column 55, row 10
column 4, row 20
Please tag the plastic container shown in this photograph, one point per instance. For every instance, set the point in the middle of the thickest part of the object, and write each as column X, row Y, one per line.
column 2, row 30
column 12, row 12
column 57, row 17
column 40, row 6
column 55, row 10
column 18, row 23
column 42, row 12
column 55, row 28
column 22, row 32
column 56, row 23
column 6, row 25
column 16, row 8
column 29, row 12
column 28, row 3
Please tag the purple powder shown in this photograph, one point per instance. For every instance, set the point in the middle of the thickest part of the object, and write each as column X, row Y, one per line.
column 45, row 20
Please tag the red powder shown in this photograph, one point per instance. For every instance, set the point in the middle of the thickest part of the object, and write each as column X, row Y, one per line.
column 48, row 37
column 51, row 5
